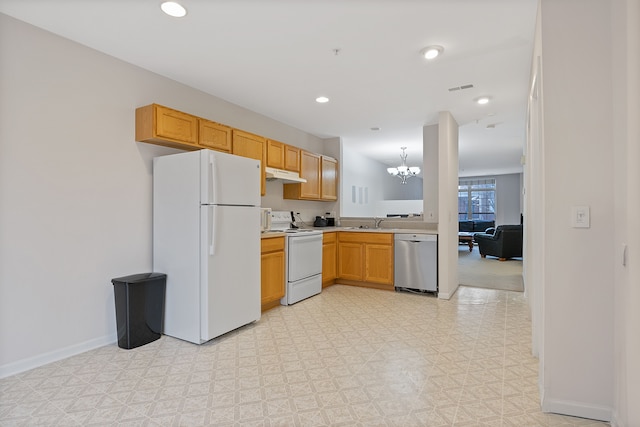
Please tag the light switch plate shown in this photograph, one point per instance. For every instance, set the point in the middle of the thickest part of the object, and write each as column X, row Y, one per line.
column 580, row 217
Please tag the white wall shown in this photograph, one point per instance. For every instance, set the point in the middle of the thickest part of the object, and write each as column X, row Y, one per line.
column 75, row 188
column 508, row 198
column 373, row 186
column 447, row 205
column 626, row 60
column 431, row 173
column 408, row 207
column 394, row 189
column 362, row 184
column 307, row 210
column 577, row 295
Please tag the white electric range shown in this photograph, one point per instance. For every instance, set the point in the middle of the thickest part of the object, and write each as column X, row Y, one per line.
column 303, row 265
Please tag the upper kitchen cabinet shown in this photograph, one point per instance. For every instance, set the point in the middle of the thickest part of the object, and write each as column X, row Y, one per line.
column 321, row 173
column 214, row 135
column 309, row 170
column 292, row 158
column 253, row 146
column 275, row 154
column 283, row 156
column 329, row 182
column 164, row 126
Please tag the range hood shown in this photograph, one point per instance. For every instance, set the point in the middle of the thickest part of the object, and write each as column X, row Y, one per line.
column 282, row 175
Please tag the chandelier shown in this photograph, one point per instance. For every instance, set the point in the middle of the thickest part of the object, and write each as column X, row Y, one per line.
column 403, row 171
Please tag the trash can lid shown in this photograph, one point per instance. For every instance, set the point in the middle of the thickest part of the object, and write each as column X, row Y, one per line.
column 137, row 278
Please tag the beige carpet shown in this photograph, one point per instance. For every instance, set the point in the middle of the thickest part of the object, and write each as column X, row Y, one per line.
column 488, row 272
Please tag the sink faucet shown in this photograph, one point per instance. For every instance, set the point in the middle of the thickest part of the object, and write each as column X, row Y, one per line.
column 377, row 222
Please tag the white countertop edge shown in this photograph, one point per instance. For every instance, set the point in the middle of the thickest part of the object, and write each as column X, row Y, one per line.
column 269, row 234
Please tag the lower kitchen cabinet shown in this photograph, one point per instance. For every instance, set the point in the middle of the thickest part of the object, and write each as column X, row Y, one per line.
column 329, row 256
column 350, row 260
column 272, row 271
column 366, row 258
column 378, row 265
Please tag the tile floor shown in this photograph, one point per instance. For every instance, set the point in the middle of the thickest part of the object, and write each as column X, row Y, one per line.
column 347, row 357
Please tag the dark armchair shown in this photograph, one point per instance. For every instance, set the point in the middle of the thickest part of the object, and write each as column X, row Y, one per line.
column 505, row 242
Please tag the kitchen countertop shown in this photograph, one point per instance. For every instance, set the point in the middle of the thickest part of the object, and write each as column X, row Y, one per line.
column 270, row 234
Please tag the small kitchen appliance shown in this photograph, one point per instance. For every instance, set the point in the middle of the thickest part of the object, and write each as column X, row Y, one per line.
column 320, row 222
column 265, row 219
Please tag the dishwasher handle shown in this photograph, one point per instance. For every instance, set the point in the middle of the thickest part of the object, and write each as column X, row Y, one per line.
column 416, row 238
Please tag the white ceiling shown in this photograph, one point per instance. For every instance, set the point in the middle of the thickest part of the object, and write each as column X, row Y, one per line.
column 276, row 56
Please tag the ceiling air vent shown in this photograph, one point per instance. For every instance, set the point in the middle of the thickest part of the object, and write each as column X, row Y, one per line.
column 453, row 89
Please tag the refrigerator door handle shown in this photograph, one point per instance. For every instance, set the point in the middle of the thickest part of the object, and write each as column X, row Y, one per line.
column 212, row 178
column 212, row 227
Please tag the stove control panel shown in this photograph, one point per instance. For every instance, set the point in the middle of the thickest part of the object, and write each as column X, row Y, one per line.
column 280, row 220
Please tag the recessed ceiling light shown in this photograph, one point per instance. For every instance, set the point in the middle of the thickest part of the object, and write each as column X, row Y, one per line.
column 483, row 100
column 430, row 52
column 375, row 128
column 322, row 99
column 174, row 9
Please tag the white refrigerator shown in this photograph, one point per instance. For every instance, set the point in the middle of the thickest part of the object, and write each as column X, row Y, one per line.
column 206, row 239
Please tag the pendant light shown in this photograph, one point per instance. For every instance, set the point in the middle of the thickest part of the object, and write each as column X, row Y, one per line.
column 403, row 171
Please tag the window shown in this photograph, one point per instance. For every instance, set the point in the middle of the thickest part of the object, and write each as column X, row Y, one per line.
column 477, row 199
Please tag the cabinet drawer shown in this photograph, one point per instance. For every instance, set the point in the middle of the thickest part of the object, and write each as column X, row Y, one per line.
column 272, row 244
column 364, row 237
column 328, row 238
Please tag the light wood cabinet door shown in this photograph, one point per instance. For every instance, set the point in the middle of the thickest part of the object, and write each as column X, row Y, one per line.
column 378, row 264
column 350, row 260
column 214, row 135
column 164, row 126
column 272, row 271
column 321, row 173
column 292, row 158
column 329, row 257
column 253, row 146
column 329, row 182
column 309, row 170
column 272, row 283
column 275, row 154
column 366, row 257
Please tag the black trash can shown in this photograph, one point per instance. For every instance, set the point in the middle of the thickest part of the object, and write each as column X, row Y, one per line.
column 139, row 308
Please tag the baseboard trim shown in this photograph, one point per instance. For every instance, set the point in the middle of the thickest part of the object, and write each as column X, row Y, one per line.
column 447, row 295
column 577, row 409
column 14, row 368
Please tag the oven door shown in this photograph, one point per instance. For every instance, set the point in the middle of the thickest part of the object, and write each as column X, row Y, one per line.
column 304, row 255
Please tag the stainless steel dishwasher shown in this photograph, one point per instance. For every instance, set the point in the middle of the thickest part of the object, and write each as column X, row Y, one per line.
column 416, row 262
